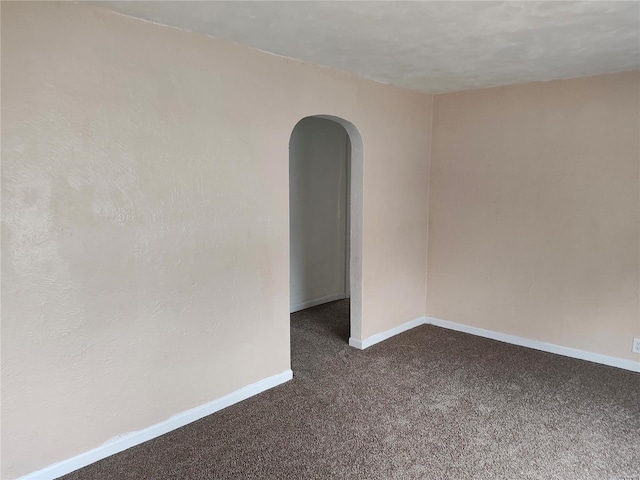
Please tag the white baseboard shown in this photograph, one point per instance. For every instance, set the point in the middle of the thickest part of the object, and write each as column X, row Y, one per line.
column 176, row 421
column 317, row 301
column 179, row 420
column 632, row 365
column 379, row 337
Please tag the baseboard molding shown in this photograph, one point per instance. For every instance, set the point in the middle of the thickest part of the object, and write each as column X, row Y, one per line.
column 631, row 365
column 181, row 419
column 317, row 301
column 634, row 366
column 176, row 421
column 379, row 337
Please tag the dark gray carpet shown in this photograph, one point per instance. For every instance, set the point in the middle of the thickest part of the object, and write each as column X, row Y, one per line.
column 429, row 403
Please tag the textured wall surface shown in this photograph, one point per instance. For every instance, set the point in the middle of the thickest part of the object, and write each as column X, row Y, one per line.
column 145, row 242
column 534, row 212
column 318, row 201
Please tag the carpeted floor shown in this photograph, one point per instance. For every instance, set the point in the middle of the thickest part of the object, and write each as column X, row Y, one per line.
column 429, row 403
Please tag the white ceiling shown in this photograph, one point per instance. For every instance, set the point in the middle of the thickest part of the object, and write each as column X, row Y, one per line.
column 427, row 46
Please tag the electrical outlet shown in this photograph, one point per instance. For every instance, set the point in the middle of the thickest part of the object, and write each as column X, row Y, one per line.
column 636, row 345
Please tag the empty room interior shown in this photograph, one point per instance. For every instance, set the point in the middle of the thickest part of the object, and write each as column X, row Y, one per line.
column 318, row 240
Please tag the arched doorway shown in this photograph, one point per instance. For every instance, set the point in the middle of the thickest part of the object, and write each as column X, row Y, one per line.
column 325, row 205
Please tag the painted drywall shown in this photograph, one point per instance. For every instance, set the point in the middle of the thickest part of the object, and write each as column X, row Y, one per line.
column 318, row 206
column 534, row 212
column 145, row 211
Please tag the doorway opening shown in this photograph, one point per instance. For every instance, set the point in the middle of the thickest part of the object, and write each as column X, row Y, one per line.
column 325, row 216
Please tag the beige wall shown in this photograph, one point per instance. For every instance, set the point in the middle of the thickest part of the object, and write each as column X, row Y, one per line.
column 145, row 200
column 534, row 212
column 145, row 244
